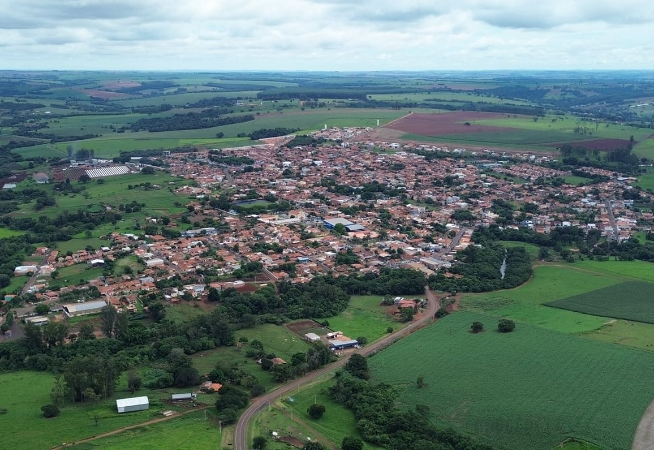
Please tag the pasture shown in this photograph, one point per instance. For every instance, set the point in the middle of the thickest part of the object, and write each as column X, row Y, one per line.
column 549, row 283
column 276, row 339
column 187, row 432
column 530, row 389
column 629, row 300
column 23, row 394
column 6, row 233
column 531, row 249
column 364, row 316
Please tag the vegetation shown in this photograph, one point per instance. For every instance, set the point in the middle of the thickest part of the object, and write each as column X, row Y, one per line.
column 630, row 300
column 524, row 379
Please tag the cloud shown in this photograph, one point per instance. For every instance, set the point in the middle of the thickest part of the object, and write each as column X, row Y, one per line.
column 325, row 34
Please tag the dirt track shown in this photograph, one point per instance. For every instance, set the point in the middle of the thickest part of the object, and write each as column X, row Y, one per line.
column 240, row 437
column 644, row 437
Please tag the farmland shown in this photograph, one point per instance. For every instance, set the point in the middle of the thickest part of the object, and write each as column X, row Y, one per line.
column 630, row 300
column 549, row 283
column 517, row 392
column 25, row 392
column 511, row 131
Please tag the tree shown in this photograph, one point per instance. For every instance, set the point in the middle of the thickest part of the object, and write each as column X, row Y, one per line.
column 4, row 280
column 108, row 315
column 477, row 327
column 316, row 411
column 406, row 314
column 259, row 442
column 84, row 178
column 58, row 390
column 362, row 340
column 42, row 308
column 340, row 229
column 257, row 390
column 357, row 365
column 351, row 443
column 133, row 381
column 50, row 411
column 214, row 295
column 505, row 326
column 148, row 170
column 54, row 333
column 86, row 332
column 420, row 382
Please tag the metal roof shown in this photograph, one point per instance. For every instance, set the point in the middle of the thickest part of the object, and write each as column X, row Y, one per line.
column 133, row 401
column 86, row 306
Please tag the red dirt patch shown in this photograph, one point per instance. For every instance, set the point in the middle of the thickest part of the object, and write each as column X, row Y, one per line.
column 120, row 84
column 103, row 94
column 300, row 326
column 604, row 145
column 447, row 123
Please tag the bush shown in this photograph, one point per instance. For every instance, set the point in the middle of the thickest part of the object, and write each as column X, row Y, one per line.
column 257, row 390
column 389, row 330
column 316, row 411
column 442, row 312
column 259, row 443
column 505, row 326
column 50, row 411
column 42, row 309
column 477, row 327
column 362, row 340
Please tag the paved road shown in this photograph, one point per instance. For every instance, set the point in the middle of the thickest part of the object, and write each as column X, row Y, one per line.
column 614, row 225
column 240, row 438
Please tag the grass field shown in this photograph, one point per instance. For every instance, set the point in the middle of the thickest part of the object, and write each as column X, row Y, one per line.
column 76, row 274
column 646, row 181
column 23, row 394
column 634, row 270
column 5, row 233
column 531, row 249
column 364, row 317
column 276, row 339
column 631, row 301
column 549, row 283
column 188, row 432
column 182, row 312
column 337, row 422
column 530, row 389
column 15, row 285
column 80, row 243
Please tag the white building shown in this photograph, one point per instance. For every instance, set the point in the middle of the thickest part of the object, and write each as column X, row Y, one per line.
column 82, row 309
column 132, row 404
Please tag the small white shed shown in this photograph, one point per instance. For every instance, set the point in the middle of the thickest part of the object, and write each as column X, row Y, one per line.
column 132, row 404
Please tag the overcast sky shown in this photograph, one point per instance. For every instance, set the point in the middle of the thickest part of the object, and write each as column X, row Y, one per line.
column 326, row 34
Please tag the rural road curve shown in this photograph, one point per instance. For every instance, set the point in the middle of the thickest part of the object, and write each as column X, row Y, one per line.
column 644, row 437
column 240, row 438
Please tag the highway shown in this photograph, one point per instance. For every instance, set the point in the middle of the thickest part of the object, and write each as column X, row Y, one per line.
column 241, row 439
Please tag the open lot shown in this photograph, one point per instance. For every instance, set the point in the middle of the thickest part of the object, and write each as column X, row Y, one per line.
column 513, row 391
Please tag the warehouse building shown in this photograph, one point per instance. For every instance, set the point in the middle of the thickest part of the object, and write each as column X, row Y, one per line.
column 82, row 309
column 132, row 404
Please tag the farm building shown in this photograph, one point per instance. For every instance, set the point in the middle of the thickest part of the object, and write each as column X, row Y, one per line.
column 188, row 396
column 81, row 309
column 39, row 321
column 132, row 404
column 334, row 334
column 341, row 345
column 312, row 337
column 24, row 270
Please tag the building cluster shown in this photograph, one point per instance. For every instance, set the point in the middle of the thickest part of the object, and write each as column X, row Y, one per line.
column 345, row 209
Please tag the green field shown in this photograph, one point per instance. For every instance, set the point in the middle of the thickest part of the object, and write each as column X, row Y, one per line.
column 364, row 317
column 531, row 249
column 337, row 423
column 5, row 233
column 81, row 243
column 530, row 389
column 549, row 283
column 630, row 301
column 76, row 274
column 187, row 432
column 23, row 394
column 276, row 339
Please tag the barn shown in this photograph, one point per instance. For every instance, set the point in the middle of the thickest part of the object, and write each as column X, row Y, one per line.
column 341, row 345
column 132, row 404
column 312, row 337
column 186, row 397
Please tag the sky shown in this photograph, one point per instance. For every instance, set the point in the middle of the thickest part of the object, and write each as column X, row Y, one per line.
column 332, row 35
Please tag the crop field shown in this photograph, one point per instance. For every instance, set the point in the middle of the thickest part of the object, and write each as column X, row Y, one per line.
column 276, row 339
column 364, row 317
column 23, row 394
column 630, row 301
column 549, row 283
column 530, row 389
column 188, row 432
column 627, row 270
column 513, row 131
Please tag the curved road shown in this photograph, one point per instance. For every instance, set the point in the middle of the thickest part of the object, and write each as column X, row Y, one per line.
column 240, row 438
column 644, row 436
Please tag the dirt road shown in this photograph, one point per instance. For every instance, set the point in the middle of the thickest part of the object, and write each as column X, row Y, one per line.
column 241, row 439
column 644, row 437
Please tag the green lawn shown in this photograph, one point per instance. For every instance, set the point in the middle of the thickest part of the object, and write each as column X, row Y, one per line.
column 76, row 274
column 80, row 243
column 15, row 285
column 6, row 232
column 631, row 301
column 188, row 432
column 531, row 249
column 549, row 283
column 530, row 389
column 364, row 317
column 183, row 311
